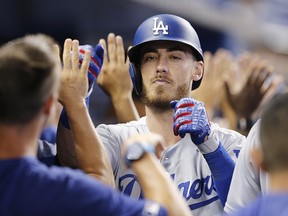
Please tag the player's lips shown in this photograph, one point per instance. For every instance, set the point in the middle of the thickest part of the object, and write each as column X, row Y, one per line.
column 160, row 80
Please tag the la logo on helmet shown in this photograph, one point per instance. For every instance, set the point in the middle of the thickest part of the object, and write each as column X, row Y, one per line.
column 159, row 26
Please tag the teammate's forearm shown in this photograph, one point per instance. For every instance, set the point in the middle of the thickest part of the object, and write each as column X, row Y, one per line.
column 65, row 147
column 89, row 150
column 159, row 187
column 125, row 108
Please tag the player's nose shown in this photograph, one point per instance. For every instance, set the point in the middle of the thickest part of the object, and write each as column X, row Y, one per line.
column 162, row 64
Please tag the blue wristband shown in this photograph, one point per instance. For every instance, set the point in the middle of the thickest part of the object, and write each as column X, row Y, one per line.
column 222, row 167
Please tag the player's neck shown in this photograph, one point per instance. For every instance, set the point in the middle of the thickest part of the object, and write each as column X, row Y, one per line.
column 162, row 123
column 278, row 181
column 18, row 141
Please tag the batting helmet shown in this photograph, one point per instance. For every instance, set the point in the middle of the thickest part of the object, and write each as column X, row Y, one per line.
column 162, row 27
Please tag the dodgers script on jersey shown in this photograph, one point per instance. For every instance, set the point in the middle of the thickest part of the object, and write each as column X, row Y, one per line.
column 183, row 162
column 248, row 181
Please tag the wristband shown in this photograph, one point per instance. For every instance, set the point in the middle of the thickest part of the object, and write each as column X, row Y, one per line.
column 209, row 145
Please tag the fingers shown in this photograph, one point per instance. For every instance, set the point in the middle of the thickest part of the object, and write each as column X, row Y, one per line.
column 105, row 61
column 70, row 55
column 112, row 47
column 260, row 75
column 85, row 63
column 159, row 143
column 224, row 61
column 67, row 54
column 75, row 55
column 153, row 139
column 120, row 49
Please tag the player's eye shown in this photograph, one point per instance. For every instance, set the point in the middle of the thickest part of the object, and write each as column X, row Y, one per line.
column 149, row 57
column 175, row 57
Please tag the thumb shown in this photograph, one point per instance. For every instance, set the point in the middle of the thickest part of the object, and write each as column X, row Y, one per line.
column 99, row 50
column 173, row 103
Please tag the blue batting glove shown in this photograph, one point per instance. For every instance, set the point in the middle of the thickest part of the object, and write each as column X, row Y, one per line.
column 190, row 117
column 96, row 62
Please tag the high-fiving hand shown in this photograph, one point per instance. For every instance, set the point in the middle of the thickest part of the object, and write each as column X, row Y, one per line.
column 114, row 78
column 74, row 82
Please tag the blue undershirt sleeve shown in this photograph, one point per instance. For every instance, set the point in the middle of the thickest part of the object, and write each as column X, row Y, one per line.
column 222, row 167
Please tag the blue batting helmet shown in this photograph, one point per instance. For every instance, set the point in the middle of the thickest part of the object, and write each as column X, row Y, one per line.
column 166, row 27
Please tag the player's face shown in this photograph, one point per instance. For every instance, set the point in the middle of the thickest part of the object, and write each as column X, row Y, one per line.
column 167, row 70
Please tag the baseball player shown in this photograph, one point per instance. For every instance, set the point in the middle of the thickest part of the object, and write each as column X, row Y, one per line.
column 166, row 63
column 248, row 181
column 267, row 174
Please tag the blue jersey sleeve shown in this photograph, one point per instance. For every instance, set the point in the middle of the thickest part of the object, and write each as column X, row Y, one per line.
column 64, row 191
column 49, row 134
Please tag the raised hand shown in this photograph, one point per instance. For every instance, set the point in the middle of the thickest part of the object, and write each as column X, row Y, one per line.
column 74, row 82
column 190, row 117
column 258, row 81
column 215, row 69
column 115, row 80
column 114, row 77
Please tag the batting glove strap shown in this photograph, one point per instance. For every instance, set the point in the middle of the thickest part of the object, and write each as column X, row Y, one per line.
column 210, row 145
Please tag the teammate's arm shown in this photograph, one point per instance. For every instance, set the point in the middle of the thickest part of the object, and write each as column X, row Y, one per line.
column 156, row 185
column 88, row 153
column 115, row 80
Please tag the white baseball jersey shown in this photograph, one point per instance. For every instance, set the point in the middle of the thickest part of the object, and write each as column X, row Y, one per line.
column 183, row 162
column 248, row 182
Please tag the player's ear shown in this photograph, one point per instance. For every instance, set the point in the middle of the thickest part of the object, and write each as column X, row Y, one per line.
column 257, row 158
column 198, row 70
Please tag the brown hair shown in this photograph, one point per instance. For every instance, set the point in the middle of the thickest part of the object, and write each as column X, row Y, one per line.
column 29, row 75
column 274, row 133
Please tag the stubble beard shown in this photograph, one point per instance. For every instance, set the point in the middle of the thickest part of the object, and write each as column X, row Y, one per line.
column 160, row 100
